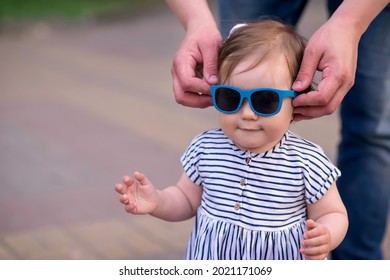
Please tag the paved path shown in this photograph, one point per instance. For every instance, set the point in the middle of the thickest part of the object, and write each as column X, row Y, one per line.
column 79, row 108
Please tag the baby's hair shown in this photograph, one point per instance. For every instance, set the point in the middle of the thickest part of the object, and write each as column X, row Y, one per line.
column 268, row 39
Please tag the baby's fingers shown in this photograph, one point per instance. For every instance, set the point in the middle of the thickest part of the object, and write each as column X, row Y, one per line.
column 310, row 224
column 315, row 241
column 314, row 249
column 315, row 253
column 124, row 199
column 127, row 181
column 141, row 178
column 121, row 189
column 131, row 208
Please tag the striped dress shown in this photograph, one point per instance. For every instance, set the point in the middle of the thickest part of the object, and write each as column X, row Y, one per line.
column 254, row 205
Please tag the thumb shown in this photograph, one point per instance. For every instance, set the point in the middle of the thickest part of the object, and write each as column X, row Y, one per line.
column 141, row 178
column 306, row 72
column 210, row 64
column 310, row 224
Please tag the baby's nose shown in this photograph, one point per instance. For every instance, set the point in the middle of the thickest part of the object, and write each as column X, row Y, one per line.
column 247, row 112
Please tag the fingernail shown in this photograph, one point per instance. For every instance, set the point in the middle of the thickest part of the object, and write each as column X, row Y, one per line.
column 297, row 84
column 213, row 79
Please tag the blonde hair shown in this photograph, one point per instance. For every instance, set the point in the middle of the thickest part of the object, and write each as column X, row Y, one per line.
column 266, row 38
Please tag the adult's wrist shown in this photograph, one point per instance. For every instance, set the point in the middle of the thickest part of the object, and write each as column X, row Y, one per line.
column 356, row 15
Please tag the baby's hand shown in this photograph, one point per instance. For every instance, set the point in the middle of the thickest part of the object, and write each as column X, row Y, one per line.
column 139, row 196
column 317, row 241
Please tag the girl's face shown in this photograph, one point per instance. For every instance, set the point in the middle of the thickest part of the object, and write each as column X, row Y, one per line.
column 245, row 128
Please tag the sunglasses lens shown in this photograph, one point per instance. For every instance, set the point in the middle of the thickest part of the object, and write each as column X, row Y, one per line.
column 227, row 99
column 265, row 101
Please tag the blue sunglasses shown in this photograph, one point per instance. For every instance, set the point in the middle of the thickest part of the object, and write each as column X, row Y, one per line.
column 263, row 101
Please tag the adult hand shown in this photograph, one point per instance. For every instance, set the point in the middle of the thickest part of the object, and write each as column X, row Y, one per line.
column 194, row 67
column 331, row 50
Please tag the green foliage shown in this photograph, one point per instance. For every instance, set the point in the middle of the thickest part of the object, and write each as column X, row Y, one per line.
column 14, row 10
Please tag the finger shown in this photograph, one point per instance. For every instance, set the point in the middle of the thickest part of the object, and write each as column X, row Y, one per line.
column 326, row 90
column 315, row 253
column 121, row 189
column 141, row 178
column 312, row 231
column 131, row 208
column 307, row 70
column 127, row 181
column 310, row 224
column 124, row 199
column 314, row 241
column 210, row 63
column 185, row 77
column 194, row 99
column 315, row 257
column 187, row 91
column 300, row 116
column 310, row 112
column 315, row 111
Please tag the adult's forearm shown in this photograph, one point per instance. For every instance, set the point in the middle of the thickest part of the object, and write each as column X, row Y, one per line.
column 357, row 15
column 191, row 13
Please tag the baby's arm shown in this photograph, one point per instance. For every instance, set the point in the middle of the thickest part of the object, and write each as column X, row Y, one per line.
column 174, row 203
column 326, row 227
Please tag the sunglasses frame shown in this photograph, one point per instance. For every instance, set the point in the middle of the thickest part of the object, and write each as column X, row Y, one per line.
column 247, row 93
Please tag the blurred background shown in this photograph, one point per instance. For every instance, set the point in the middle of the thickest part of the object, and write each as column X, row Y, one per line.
column 85, row 98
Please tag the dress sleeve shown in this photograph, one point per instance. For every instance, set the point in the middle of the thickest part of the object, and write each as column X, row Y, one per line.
column 190, row 160
column 319, row 175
